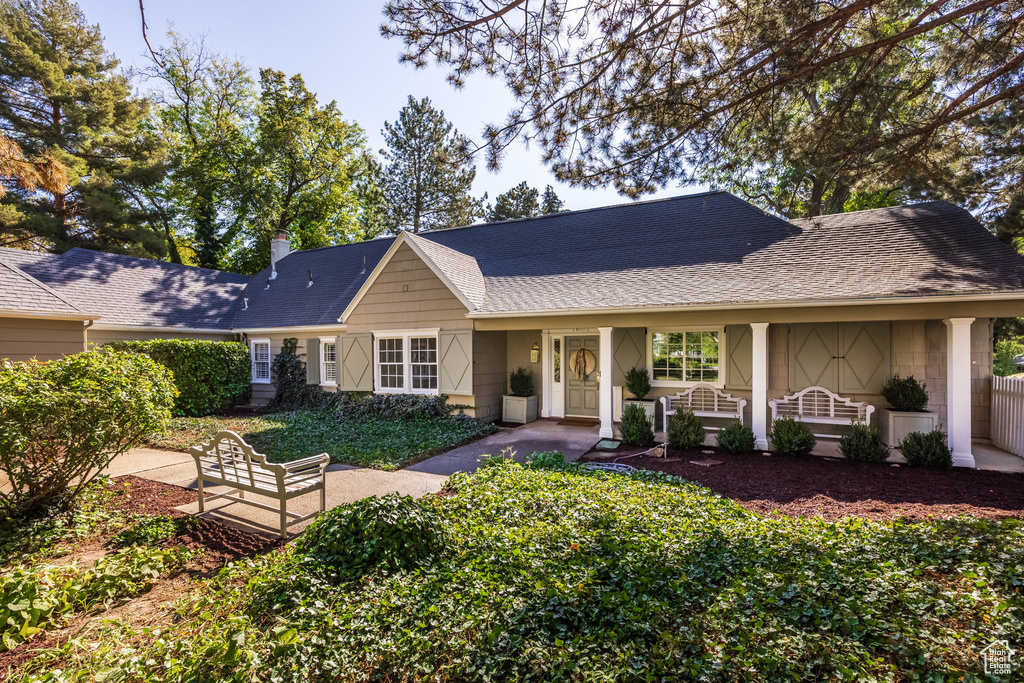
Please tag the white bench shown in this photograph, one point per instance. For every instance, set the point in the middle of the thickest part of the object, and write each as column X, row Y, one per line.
column 818, row 405
column 705, row 401
column 229, row 461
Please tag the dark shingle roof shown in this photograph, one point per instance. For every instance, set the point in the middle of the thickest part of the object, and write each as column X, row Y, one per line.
column 23, row 293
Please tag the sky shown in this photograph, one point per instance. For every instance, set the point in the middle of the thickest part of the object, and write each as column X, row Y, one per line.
column 339, row 51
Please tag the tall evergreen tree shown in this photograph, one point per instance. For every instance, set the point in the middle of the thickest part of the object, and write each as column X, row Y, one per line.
column 550, row 202
column 519, row 202
column 64, row 100
column 428, row 176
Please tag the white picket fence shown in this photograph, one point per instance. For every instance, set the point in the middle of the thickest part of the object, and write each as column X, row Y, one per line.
column 1008, row 414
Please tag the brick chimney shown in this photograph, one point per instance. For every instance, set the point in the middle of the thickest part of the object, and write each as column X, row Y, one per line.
column 279, row 248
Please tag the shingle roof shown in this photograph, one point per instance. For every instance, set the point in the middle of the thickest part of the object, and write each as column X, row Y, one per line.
column 126, row 290
column 22, row 293
column 462, row 270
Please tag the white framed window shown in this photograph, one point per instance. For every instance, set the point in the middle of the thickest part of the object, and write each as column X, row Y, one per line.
column 406, row 362
column 329, row 361
column 686, row 357
column 259, row 350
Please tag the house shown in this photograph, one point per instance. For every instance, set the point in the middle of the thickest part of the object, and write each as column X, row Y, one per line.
column 700, row 288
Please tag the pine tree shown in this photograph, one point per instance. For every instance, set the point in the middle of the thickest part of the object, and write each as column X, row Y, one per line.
column 64, row 101
column 550, row 203
column 427, row 175
column 519, row 202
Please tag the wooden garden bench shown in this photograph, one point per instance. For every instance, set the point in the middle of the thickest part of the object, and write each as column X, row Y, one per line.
column 705, row 401
column 229, row 461
column 818, row 405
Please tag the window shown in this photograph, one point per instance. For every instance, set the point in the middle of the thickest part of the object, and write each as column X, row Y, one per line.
column 390, row 363
column 558, row 360
column 685, row 357
column 260, row 350
column 328, row 361
column 423, row 355
column 407, row 362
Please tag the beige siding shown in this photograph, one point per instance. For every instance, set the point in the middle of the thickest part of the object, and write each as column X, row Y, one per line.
column 25, row 338
column 518, row 346
column 490, row 373
column 96, row 337
column 407, row 295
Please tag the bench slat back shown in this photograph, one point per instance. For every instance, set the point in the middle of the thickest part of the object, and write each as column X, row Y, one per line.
column 705, row 398
column 819, row 402
column 229, row 454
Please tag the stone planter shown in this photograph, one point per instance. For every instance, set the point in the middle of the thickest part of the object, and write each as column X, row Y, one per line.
column 647, row 404
column 894, row 425
column 521, row 409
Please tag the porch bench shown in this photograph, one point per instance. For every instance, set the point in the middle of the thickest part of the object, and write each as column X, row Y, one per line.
column 229, row 461
column 818, row 405
column 704, row 400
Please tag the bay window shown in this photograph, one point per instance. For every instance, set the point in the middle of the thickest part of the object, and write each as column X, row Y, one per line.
column 683, row 357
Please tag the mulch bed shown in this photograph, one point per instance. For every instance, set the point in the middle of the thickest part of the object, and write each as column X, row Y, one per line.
column 832, row 489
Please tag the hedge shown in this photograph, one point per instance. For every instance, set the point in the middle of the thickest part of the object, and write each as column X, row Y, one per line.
column 210, row 375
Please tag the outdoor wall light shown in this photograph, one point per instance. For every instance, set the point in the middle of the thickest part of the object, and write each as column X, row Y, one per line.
column 535, row 354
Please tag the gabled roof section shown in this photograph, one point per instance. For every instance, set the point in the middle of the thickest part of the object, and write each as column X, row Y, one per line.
column 22, row 293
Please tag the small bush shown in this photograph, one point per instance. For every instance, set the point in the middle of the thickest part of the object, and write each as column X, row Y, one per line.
column 927, row 450
column 863, row 443
column 638, row 383
column 211, row 376
column 637, row 427
column 546, row 460
column 391, row 532
column 791, row 437
column 905, row 394
column 735, row 438
column 520, row 382
column 685, row 430
column 62, row 422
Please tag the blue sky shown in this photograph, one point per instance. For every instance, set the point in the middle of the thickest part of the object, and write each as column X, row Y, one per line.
column 337, row 48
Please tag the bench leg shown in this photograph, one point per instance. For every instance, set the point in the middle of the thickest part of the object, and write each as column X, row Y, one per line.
column 323, row 497
column 284, row 519
column 202, row 507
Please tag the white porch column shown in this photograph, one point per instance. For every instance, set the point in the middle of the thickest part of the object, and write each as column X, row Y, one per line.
column 547, row 367
column 759, row 385
column 958, row 390
column 604, row 389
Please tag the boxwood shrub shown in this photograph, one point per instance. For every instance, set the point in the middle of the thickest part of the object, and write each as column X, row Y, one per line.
column 736, row 438
column 927, row 450
column 863, row 443
column 685, row 430
column 636, row 427
column 211, row 376
column 791, row 437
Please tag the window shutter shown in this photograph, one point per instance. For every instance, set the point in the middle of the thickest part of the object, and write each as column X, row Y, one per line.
column 355, row 362
column 312, row 361
column 739, row 360
column 812, row 356
column 629, row 351
column 864, row 365
column 455, row 355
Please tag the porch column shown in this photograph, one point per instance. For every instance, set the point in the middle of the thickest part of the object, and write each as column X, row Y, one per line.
column 759, row 385
column 547, row 367
column 958, row 390
column 604, row 388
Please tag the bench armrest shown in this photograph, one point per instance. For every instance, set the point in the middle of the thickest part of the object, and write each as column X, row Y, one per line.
column 294, row 465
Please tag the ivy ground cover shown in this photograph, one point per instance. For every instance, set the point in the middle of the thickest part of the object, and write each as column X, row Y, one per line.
column 560, row 574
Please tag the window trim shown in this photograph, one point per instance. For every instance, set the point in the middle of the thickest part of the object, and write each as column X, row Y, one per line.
column 405, row 336
column 323, row 362
column 252, row 360
column 720, row 329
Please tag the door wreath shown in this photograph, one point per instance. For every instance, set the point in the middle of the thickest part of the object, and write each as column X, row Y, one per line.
column 583, row 364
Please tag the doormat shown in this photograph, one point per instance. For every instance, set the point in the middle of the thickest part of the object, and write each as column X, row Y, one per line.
column 579, row 421
column 607, row 444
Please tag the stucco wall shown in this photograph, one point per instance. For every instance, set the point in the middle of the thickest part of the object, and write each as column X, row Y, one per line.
column 25, row 338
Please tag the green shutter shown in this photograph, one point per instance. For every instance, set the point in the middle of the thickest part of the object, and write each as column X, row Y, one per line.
column 739, row 361
column 813, row 351
column 629, row 351
column 864, row 365
column 355, row 362
column 455, row 362
column 312, row 361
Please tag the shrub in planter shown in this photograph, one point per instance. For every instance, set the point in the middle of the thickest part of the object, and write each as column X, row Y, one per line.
column 685, row 430
column 638, row 383
column 210, row 375
column 735, row 438
column 927, row 450
column 863, row 443
column 636, row 427
column 391, row 532
column 520, row 382
column 62, row 422
column 905, row 394
column 791, row 437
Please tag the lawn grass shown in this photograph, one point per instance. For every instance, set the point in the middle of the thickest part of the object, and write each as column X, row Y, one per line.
column 366, row 441
column 574, row 575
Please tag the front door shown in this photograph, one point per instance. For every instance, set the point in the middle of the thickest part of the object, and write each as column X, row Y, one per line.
column 580, row 363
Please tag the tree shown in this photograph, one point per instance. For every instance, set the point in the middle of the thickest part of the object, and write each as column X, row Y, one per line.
column 427, row 174
column 519, row 202
column 824, row 100
column 65, row 105
column 550, row 203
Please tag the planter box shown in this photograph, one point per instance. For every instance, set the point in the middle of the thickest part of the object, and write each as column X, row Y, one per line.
column 518, row 409
column 896, row 424
column 648, row 406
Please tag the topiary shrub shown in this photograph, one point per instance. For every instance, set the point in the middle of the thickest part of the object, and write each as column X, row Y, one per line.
column 520, row 382
column 638, row 383
column 927, row 450
column 211, row 376
column 735, row 438
column 391, row 532
column 685, row 430
column 636, row 427
column 863, row 443
column 905, row 394
column 291, row 392
column 62, row 422
column 791, row 437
